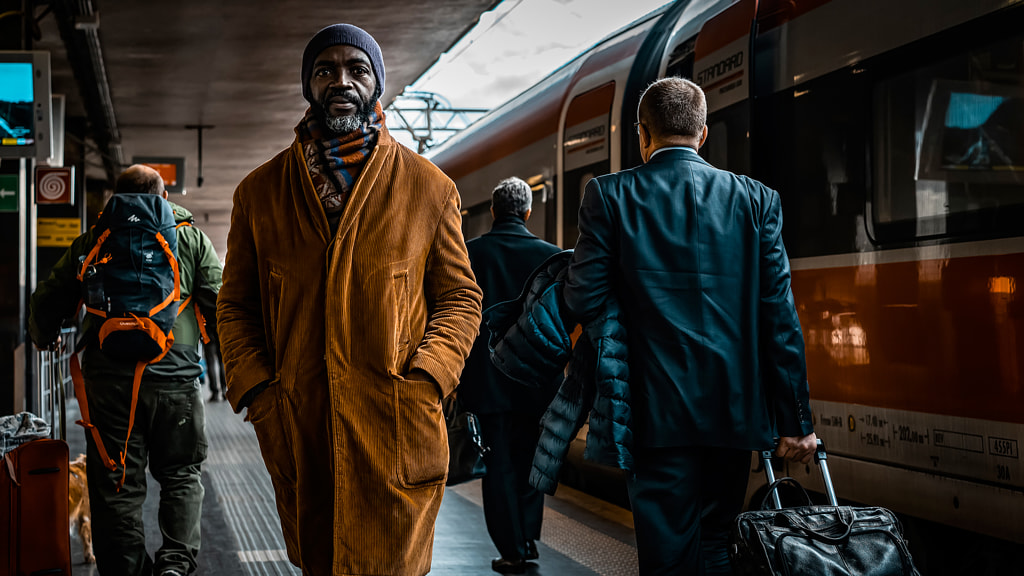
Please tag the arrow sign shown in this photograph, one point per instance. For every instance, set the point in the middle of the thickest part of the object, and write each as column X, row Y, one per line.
column 9, row 192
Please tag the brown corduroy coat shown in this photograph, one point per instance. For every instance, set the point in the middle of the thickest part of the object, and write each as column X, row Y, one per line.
column 357, row 453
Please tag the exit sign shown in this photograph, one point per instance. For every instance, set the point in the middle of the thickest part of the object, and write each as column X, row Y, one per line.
column 9, row 192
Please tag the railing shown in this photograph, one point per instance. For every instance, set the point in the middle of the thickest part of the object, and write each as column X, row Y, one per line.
column 54, row 385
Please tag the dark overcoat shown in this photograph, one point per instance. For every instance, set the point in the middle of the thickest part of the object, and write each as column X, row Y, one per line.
column 502, row 261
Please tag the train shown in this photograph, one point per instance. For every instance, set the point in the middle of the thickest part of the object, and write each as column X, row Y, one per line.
column 893, row 131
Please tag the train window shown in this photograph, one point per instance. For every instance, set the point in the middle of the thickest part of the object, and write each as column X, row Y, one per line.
column 585, row 151
column 476, row 220
column 949, row 146
column 716, row 147
column 541, row 188
column 727, row 144
column 810, row 144
column 680, row 62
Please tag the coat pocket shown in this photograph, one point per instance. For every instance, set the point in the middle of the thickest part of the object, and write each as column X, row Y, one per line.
column 422, row 435
column 400, row 284
column 271, row 424
column 272, row 311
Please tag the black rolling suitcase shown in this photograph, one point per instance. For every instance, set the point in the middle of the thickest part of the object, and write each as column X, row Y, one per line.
column 817, row 540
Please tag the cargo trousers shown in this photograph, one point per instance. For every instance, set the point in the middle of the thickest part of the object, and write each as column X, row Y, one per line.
column 169, row 433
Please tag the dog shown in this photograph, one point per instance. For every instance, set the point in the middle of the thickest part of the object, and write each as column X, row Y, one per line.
column 78, row 506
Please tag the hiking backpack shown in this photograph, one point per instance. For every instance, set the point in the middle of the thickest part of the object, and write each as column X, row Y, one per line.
column 130, row 277
column 131, row 282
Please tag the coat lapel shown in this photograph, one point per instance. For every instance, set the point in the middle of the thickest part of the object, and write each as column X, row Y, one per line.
column 316, row 209
column 364, row 185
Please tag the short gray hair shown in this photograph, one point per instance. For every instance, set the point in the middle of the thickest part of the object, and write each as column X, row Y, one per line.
column 511, row 197
column 673, row 107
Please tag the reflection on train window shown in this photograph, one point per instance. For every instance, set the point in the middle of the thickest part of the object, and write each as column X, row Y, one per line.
column 716, row 146
column 680, row 62
column 727, row 147
column 949, row 143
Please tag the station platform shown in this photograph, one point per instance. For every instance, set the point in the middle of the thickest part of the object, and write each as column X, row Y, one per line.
column 242, row 535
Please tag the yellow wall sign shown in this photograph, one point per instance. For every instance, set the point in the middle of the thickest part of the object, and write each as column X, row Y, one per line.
column 57, row 232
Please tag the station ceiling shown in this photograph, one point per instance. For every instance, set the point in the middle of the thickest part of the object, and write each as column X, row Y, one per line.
column 234, row 65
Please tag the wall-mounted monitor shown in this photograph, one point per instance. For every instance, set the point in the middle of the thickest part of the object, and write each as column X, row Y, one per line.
column 25, row 105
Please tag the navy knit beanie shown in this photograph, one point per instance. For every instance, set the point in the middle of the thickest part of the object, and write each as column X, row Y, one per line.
column 341, row 34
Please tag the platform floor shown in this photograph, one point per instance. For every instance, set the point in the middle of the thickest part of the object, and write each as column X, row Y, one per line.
column 242, row 535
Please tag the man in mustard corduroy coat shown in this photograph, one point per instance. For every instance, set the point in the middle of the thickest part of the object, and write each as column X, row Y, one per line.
column 347, row 312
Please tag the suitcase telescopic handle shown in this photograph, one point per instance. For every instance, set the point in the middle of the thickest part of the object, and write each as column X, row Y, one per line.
column 769, row 473
column 820, row 457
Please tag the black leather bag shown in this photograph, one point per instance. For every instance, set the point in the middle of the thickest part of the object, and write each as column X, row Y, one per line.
column 465, row 445
column 816, row 540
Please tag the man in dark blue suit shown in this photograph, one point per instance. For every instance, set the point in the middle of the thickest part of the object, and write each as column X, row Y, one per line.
column 509, row 413
column 716, row 356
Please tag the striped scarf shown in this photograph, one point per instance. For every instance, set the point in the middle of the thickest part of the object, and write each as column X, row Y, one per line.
column 335, row 163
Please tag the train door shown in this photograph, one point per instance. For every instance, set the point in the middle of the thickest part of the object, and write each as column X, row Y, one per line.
column 721, row 66
column 585, row 152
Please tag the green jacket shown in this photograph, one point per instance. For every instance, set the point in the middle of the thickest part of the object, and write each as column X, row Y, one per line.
column 56, row 300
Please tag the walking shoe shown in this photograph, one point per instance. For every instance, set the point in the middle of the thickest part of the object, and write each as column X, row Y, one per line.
column 504, row 566
column 531, row 551
column 215, row 397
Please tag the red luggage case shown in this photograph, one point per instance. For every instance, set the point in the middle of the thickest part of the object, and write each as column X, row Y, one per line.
column 34, row 529
column 35, row 533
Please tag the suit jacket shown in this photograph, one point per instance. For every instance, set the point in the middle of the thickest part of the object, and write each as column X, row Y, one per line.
column 502, row 261
column 695, row 255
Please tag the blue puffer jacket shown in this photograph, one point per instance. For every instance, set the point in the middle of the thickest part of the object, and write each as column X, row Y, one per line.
column 530, row 343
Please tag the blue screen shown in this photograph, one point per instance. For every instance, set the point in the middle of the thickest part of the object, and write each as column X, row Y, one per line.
column 971, row 110
column 15, row 103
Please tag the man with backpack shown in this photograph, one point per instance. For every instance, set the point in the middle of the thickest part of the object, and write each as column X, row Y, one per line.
column 140, row 397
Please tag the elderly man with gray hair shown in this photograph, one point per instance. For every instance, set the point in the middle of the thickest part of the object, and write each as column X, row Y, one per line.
column 502, row 261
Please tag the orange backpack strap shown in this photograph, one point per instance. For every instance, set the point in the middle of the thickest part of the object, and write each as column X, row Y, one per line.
column 93, row 254
column 136, row 384
column 175, row 294
column 201, row 320
column 83, row 408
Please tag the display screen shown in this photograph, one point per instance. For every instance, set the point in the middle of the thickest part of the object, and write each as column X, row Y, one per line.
column 971, row 133
column 167, row 171
column 16, row 104
column 171, row 169
column 982, row 132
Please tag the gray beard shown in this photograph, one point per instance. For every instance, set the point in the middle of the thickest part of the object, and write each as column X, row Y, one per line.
column 344, row 124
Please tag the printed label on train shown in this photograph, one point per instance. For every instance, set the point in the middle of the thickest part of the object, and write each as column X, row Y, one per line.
column 723, row 75
column 966, row 447
column 586, row 143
